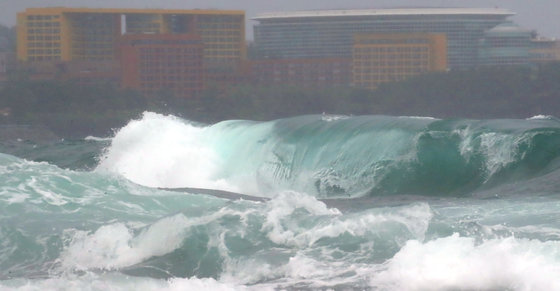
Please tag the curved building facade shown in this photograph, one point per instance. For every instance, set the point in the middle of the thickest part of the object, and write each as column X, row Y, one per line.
column 505, row 45
column 322, row 34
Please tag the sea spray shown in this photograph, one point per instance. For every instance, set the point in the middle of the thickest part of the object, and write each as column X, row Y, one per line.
column 163, row 151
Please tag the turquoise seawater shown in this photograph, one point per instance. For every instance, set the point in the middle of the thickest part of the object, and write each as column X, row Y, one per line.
column 352, row 203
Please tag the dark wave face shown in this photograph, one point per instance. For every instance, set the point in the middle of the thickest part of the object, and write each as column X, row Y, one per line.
column 71, row 154
column 352, row 203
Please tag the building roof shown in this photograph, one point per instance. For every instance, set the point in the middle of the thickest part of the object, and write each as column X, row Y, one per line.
column 508, row 27
column 55, row 10
column 384, row 12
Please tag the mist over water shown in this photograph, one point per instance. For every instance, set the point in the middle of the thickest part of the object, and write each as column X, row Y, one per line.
column 368, row 202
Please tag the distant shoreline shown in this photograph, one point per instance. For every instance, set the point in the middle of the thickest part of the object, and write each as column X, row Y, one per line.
column 26, row 132
column 50, row 110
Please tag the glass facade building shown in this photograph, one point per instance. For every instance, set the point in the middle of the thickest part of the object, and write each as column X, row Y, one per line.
column 505, row 44
column 320, row 34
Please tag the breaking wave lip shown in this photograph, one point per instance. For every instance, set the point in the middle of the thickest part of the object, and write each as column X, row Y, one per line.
column 99, row 139
column 333, row 117
column 163, row 151
column 114, row 246
column 419, row 117
column 542, row 117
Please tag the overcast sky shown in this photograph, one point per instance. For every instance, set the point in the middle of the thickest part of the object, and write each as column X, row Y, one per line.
column 540, row 15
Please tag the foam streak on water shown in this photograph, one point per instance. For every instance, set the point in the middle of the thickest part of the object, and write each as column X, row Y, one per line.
column 420, row 204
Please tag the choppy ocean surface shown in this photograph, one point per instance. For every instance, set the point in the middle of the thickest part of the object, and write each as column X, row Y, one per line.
column 352, row 203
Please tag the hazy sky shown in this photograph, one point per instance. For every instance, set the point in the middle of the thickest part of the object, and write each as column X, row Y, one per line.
column 541, row 15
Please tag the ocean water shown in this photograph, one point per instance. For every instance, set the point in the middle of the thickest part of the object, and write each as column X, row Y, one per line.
column 345, row 203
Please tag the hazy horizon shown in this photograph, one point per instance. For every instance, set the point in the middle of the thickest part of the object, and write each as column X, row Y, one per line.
column 540, row 15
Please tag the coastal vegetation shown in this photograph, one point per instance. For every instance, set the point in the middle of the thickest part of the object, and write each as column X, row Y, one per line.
column 70, row 109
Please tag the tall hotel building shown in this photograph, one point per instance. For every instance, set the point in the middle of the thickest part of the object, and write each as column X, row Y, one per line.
column 155, row 63
column 331, row 34
column 380, row 58
column 156, row 49
column 68, row 34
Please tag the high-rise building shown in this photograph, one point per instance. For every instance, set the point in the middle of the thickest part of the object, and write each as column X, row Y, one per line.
column 154, row 63
column 319, row 34
column 78, row 34
column 380, row 58
column 544, row 50
column 505, row 45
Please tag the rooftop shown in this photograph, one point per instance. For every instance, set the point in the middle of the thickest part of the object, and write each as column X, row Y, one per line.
column 56, row 10
column 508, row 28
column 384, row 12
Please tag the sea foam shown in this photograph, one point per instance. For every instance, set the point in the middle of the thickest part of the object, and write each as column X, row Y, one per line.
column 459, row 263
column 117, row 282
column 163, row 151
